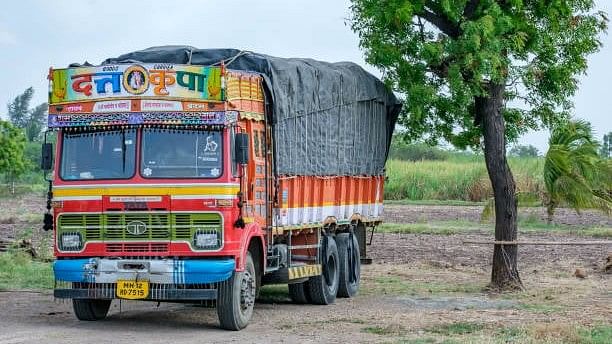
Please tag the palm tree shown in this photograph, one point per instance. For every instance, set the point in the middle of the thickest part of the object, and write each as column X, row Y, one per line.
column 574, row 174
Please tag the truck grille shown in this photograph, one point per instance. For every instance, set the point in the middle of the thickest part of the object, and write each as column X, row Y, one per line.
column 158, row 226
column 154, row 247
column 118, row 227
column 185, row 225
column 91, row 224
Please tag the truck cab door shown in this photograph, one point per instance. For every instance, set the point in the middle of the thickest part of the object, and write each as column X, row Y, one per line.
column 257, row 195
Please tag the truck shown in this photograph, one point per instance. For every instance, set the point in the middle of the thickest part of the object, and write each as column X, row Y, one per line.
column 198, row 175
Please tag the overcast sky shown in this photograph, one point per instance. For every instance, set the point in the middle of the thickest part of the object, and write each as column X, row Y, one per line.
column 35, row 35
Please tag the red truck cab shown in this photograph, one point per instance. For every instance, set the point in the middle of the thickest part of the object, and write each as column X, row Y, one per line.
column 168, row 185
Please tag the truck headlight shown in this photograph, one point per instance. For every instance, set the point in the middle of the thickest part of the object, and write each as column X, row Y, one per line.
column 206, row 239
column 71, row 241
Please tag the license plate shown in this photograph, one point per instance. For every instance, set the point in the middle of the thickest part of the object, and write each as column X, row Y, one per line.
column 132, row 290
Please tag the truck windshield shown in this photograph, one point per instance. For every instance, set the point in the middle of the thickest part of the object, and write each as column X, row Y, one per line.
column 171, row 153
column 98, row 155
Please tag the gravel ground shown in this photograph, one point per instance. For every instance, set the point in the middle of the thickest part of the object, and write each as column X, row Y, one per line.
column 417, row 261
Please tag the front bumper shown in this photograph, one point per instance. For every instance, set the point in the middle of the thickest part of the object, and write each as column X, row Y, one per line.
column 157, row 292
column 170, row 279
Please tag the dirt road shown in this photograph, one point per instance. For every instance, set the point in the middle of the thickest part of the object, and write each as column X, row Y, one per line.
column 36, row 318
column 418, row 287
column 398, row 302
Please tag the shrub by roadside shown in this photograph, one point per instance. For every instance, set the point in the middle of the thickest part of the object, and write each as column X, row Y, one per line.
column 19, row 271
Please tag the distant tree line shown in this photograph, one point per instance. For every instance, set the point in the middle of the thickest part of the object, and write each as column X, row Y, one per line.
column 417, row 151
column 606, row 146
column 524, row 151
column 20, row 136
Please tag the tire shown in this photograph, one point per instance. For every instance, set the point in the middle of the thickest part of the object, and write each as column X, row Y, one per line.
column 236, row 297
column 299, row 293
column 350, row 264
column 91, row 310
column 323, row 288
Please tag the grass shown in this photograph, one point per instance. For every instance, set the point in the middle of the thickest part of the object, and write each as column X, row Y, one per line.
column 425, row 340
column 274, row 293
column 525, row 224
column 458, row 178
column 397, row 285
column 391, row 329
column 19, row 271
column 542, row 308
column 440, row 228
column 449, row 202
column 458, row 328
column 600, row 334
column 559, row 332
column 598, row 232
column 474, row 332
column 512, row 335
column 21, row 189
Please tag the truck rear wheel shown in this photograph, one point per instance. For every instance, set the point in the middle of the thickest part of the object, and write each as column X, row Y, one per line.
column 323, row 288
column 91, row 310
column 299, row 293
column 350, row 264
column 236, row 297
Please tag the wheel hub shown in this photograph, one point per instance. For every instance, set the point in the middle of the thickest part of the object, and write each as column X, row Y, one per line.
column 247, row 291
column 329, row 271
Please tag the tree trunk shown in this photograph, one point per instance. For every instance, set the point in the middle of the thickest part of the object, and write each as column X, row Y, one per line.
column 550, row 211
column 489, row 109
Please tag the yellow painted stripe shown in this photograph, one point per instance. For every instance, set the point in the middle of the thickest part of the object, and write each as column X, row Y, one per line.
column 304, row 271
column 146, row 191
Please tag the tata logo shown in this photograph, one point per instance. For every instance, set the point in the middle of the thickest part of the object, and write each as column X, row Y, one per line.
column 136, row 227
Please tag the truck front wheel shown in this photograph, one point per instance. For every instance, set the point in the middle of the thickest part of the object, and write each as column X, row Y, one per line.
column 90, row 310
column 323, row 288
column 236, row 297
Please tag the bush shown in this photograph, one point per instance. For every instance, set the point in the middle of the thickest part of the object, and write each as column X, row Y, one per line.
column 19, row 271
column 401, row 150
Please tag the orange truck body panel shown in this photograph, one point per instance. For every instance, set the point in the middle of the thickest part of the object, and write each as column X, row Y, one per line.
column 314, row 201
column 303, row 201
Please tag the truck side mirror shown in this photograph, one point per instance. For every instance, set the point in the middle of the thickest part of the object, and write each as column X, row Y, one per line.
column 46, row 161
column 241, row 148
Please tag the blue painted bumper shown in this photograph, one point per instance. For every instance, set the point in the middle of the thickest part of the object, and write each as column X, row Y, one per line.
column 75, row 270
column 202, row 271
column 100, row 270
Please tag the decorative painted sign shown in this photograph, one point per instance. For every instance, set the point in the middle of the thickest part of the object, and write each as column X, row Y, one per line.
column 210, row 118
column 125, row 81
column 135, row 105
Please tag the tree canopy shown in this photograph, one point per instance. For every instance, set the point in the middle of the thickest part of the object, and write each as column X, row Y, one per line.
column 37, row 121
column 480, row 73
column 443, row 54
column 12, row 145
column 32, row 121
column 19, row 108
